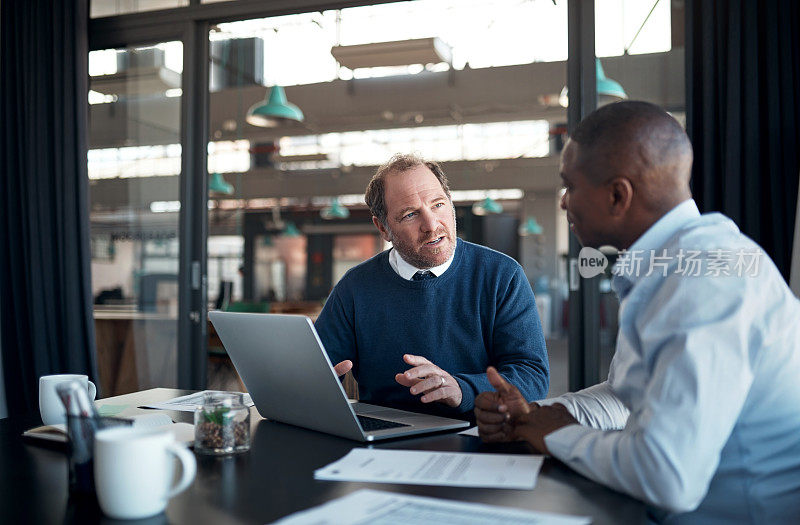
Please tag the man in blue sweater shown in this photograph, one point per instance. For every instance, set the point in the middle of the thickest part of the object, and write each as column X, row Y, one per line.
column 418, row 324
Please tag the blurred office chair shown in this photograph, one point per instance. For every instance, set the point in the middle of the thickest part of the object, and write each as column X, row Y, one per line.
column 157, row 288
column 225, row 294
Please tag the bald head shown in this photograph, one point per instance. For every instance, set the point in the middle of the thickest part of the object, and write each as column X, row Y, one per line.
column 625, row 166
column 642, row 142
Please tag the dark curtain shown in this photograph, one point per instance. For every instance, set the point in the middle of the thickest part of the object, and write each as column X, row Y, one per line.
column 743, row 115
column 45, row 290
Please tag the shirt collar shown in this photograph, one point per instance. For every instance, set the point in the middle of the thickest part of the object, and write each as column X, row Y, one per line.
column 407, row 271
column 656, row 236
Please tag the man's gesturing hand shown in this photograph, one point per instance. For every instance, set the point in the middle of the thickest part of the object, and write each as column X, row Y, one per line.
column 495, row 412
column 504, row 415
column 343, row 367
column 428, row 379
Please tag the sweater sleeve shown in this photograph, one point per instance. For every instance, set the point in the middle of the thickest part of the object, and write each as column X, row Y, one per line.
column 517, row 348
column 336, row 329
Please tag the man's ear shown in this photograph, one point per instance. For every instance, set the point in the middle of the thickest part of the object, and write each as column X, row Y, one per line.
column 620, row 196
column 381, row 228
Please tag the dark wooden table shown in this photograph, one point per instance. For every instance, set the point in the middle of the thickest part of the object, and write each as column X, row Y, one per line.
column 275, row 478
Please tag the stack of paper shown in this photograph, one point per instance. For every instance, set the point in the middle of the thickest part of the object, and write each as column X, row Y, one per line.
column 189, row 403
column 435, row 468
column 385, row 508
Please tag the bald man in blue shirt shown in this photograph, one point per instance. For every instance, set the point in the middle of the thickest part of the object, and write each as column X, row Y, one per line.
column 700, row 415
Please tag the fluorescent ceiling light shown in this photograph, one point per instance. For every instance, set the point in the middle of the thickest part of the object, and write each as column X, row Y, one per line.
column 397, row 53
column 312, row 157
column 165, row 206
column 476, row 195
column 137, row 81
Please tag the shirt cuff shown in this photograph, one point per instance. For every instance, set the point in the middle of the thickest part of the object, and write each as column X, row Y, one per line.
column 561, row 442
column 551, row 401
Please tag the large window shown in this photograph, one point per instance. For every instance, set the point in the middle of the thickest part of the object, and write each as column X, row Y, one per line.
column 286, row 216
column 134, row 139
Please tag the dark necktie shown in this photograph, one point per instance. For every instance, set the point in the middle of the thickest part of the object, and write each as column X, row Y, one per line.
column 421, row 276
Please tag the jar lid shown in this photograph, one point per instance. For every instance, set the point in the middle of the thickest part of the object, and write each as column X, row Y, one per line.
column 223, row 399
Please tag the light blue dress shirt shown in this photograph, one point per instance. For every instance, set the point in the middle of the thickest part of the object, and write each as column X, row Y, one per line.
column 700, row 415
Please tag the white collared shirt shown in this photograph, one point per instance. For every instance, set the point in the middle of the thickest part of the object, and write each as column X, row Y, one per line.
column 407, row 271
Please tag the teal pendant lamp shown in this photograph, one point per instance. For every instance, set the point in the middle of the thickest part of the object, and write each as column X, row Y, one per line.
column 487, row 206
column 218, row 184
column 607, row 90
column 607, row 87
column 334, row 211
column 530, row 227
column 274, row 110
column 290, row 230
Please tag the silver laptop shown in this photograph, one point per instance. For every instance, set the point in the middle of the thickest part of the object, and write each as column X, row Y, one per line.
column 290, row 378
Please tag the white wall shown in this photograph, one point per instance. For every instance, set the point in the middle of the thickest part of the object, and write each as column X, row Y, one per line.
column 117, row 273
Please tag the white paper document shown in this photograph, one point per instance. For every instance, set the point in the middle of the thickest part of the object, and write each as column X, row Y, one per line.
column 451, row 469
column 470, row 432
column 183, row 432
column 386, row 508
column 189, row 403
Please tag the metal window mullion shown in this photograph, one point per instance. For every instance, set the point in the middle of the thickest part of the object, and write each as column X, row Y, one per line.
column 584, row 295
column 193, row 222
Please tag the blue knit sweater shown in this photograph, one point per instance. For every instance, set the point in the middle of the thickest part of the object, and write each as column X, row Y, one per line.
column 480, row 312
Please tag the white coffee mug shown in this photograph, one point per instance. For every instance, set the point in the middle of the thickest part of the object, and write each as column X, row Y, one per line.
column 50, row 406
column 134, row 469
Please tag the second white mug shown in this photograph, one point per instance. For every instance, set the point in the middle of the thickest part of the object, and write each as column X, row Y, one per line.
column 50, row 406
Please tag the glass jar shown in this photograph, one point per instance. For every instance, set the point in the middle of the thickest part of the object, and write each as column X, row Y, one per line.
column 222, row 424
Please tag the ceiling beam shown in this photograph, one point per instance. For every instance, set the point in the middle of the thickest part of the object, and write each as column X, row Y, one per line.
column 151, row 26
column 498, row 94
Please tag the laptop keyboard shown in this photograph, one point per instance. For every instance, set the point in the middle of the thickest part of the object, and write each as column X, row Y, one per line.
column 370, row 424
